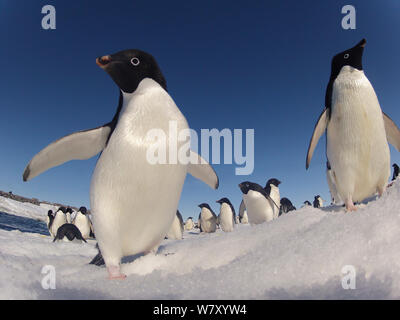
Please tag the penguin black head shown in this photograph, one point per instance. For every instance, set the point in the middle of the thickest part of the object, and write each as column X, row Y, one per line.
column 63, row 209
column 204, row 205
column 129, row 67
column 83, row 210
column 223, row 200
column 308, row 203
column 351, row 57
column 395, row 166
column 273, row 181
column 50, row 213
column 246, row 186
column 316, row 197
column 69, row 210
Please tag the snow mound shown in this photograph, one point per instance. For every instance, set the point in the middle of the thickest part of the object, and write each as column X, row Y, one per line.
column 299, row 255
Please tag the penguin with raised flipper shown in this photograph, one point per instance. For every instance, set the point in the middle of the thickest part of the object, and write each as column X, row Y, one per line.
column 357, row 130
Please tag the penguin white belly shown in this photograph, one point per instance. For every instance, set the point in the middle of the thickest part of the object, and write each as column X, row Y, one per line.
column 226, row 218
column 356, row 145
column 259, row 209
column 133, row 201
column 208, row 221
column 276, row 197
column 175, row 231
column 83, row 224
column 58, row 221
column 245, row 218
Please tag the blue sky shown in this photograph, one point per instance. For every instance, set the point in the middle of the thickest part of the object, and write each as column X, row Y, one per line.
column 258, row 64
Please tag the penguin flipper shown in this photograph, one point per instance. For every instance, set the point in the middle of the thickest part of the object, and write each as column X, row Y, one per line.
column 319, row 129
column 392, row 131
column 242, row 208
column 80, row 145
column 203, row 171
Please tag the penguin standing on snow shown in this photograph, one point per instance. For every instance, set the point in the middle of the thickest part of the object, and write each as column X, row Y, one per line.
column 70, row 232
column 59, row 219
column 189, row 224
column 176, row 230
column 318, row 202
column 82, row 222
column 306, row 203
column 68, row 215
column 208, row 219
column 227, row 215
column 50, row 219
column 286, row 206
column 133, row 203
column 272, row 189
column 396, row 171
column 259, row 205
column 357, row 130
column 243, row 218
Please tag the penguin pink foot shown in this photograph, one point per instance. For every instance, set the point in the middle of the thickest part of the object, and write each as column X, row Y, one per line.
column 114, row 273
column 350, row 205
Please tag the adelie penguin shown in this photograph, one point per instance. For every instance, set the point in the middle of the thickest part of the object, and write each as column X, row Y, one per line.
column 318, row 202
column 396, row 171
column 243, row 218
column 50, row 219
column 176, row 230
column 208, row 219
column 227, row 215
column 59, row 219
column 83, row 223
column 133, row 203
column 70, row 232
column 260, row 206
column 286, row 206
column 189, row 224
column 357, row 130
column 272, row 189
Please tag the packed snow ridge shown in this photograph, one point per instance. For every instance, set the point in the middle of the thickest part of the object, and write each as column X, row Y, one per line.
column 299, row 255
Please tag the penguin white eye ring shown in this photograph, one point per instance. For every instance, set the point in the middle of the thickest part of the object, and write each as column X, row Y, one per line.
column 346, row 56
column 135, row 61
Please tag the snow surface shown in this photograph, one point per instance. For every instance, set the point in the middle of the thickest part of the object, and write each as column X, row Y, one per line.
column 299, row 255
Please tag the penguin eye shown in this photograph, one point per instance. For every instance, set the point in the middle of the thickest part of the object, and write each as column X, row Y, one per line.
column 346, row 56
column 135, row 61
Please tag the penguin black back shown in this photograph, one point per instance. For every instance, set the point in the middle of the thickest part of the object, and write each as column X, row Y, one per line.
column 395, row 171
column 70, row 231
column 316, row 202
column 272, row 181
column 226, row 200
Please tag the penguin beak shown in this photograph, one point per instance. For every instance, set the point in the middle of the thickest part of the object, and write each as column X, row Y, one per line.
column 103, row 61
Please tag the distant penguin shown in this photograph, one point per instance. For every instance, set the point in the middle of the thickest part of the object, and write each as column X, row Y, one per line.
column 59, row 219
column 335, row 197
column 68, row 215
column 70, row 232
column 395, row 171
column 259, row 205
column 286, row 206
column 50, row 219
column 133, row 194
column 237, row 221
column 243, row 218
column 189, row 224
column 357, row 130
column 176, row 230
column 318, row 202
column 307, row 203
column 83, row 223
column 227, row 215
column 208, row 218
column 272, row 189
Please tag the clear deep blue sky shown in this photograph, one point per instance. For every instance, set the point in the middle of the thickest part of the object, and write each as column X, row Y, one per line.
column 228, row 64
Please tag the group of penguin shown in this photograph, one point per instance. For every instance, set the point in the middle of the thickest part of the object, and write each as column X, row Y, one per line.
column 258, row 205
column 126, row 217
column 66, row 225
